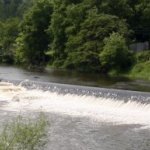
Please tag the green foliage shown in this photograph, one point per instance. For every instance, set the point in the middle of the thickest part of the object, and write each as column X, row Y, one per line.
column 63, row 14
column 10, row 13
column 84, row 47
column 24, row 134
column 13, row 8
column 141, row 70
column 8, row 34
column 139, row 19
column 143, row 56
column 33, row 40
column 115, row 54
column 70, row 33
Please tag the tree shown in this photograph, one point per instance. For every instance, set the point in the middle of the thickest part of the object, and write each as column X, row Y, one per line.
column 115, row 54
column 139, row 19
column 119, row 8
column 59, row 23
column 84, row 47
column 33, row 40
column 9, row 8
column 8, row 35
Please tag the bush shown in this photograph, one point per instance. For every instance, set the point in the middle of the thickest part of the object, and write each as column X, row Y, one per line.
column 141, row 70
column 115, row 55
column 143, row 56
column 24, row 134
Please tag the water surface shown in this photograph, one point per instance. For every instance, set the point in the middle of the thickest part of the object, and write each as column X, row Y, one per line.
column 81, row 122
column 71, row 77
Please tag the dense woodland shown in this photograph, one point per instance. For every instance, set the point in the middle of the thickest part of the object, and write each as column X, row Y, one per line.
column 83, row 35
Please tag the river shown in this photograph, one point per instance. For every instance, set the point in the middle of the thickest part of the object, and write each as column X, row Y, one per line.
column 78, row 119
column 74, row 78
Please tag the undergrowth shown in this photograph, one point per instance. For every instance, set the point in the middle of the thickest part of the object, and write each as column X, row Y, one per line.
column 24, row 134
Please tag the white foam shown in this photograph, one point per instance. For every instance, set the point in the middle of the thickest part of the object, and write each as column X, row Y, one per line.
column 100, row 109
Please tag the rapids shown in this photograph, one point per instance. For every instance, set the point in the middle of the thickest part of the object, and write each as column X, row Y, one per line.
column 20, row 99
column 81, row 118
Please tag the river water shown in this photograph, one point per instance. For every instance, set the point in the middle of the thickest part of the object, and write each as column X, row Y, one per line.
column 79, row 122
column 74, row 78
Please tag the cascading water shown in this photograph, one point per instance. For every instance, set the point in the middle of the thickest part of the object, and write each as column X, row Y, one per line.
column 102, row 109
column 97, row 109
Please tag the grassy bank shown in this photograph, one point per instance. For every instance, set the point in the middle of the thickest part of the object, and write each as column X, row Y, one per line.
column 140, row 71
column 140, row 68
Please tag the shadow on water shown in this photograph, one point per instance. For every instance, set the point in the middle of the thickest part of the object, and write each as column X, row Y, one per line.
column 75, row 78
column 99, row 80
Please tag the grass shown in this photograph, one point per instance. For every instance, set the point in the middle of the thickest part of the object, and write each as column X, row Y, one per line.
column 24, row 134
column 141, row 71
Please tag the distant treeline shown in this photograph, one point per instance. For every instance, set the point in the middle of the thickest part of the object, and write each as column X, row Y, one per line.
column 13, row 8
column 84, row 35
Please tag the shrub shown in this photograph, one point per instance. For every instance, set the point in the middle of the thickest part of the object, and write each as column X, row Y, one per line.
column 24, row 134
column 143, row 56
column 115, row 54
column 141, row 70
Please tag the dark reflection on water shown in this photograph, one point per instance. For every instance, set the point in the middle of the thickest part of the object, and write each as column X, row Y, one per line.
column 71, row 77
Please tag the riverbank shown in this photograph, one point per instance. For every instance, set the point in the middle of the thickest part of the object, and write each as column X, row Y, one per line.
column 140, row 71
column 141, row 68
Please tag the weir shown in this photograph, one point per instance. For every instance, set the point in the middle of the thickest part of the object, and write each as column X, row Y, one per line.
column 104, row 105
column 126, row 95
column 81, row 117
